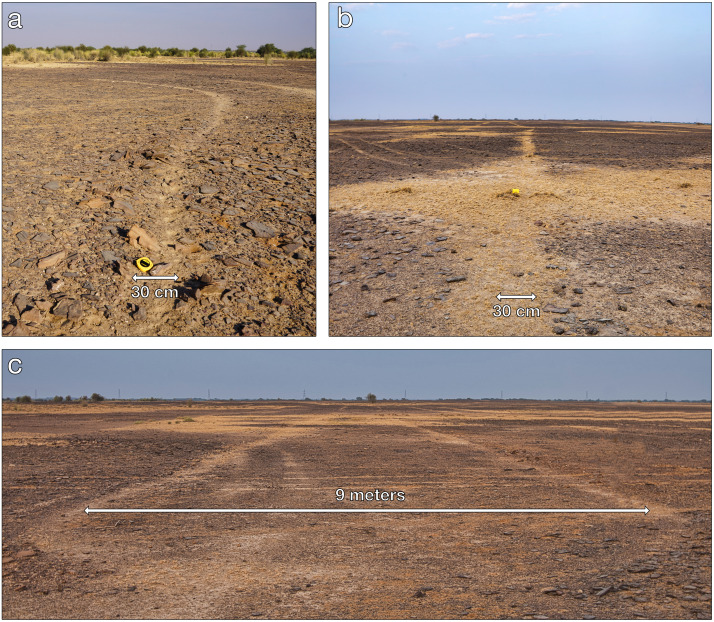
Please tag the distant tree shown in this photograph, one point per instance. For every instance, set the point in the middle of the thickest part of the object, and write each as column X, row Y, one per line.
column 23, row 399
column 307, row 53
column 9, row 49
column 241, row 51
column 269, row 48
column 293, row 54
column 143, row 49
column 57, row 398
column 228, row 53
column 371, row 398
column 106, row 54
column 203, row 53
column 123, row 51
column 194, row 50
column 154, row 52
column 96, row 397
column 435, row 117
column 68, row 398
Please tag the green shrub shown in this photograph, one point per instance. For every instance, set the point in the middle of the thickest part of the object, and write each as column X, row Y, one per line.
column 105, row 54
column 23, row 399
column 96, row 397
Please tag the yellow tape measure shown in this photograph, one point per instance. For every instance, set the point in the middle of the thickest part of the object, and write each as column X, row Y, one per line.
column 144, row 264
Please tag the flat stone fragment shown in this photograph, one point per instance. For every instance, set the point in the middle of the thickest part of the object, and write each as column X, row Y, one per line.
column 553, row 309
column 455, row 279
column 51, row 185
column 71, row 309
column 260, row 230
column 139, row 237
column 51, row 260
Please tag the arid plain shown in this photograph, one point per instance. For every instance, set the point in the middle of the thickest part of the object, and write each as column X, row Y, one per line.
column 610, row 230
column 59, row 562
column 207, row 168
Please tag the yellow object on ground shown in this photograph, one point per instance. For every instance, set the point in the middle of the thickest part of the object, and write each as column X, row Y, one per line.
column 144, row 264
column 515, row 191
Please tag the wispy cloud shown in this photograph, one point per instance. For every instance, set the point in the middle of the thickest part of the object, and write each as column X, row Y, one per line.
column 450, row 43
column 394, row 33
column 540, row 35
column 402, row 45
column 516, row 17
column 562, row 6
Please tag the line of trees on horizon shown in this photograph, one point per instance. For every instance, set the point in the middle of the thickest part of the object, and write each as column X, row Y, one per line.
column 107, row 53
column 370, row 398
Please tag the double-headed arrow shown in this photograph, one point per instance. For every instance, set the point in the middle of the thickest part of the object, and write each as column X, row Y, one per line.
column 644, row 510
column 136, row 277
column 529, row 296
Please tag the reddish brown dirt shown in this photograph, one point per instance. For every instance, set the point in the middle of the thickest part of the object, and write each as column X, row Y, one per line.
column 59, row 562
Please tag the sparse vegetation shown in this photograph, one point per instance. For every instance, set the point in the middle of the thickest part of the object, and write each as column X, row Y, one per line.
column 371, row 398
column 69, row 53
column 23, row 399
column 96, row 397
column 402, row 190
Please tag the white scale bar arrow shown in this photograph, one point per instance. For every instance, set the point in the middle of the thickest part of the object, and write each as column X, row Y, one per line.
column 644, row 510
column 155, row 278
column 529, row 296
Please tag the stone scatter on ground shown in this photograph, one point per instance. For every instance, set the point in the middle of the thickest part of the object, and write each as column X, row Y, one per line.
column 607, row 249
column 178, row 174
column 59, row 563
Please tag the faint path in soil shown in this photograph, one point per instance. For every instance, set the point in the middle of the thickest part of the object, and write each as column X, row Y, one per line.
column 547, row 474
column 161, row 211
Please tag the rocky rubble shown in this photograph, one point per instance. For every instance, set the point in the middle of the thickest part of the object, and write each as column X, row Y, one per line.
column 207, row 180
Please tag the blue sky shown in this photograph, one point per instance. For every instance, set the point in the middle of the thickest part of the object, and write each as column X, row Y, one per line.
column 622, row 61
column 214, row 26
column 424, row 374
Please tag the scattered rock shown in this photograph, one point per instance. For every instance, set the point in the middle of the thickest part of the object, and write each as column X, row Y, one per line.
column 109, row 256
column 68, row 308
column 51, row 260
column 139, row 237
column 455, row 279
column 549, row 308
column 260, row 230
column 51, row 185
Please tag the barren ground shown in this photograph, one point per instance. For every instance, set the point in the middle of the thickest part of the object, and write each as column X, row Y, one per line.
column 214, row 161
column 59, row 562
column 611, row 230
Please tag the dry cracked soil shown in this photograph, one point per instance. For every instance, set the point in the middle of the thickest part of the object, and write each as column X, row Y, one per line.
column 207, row 169
column 610, row 231
column 59, row 562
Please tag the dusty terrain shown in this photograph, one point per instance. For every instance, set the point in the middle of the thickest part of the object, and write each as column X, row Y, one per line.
column 208, row 169
column 59, row 562
column 611, row 230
